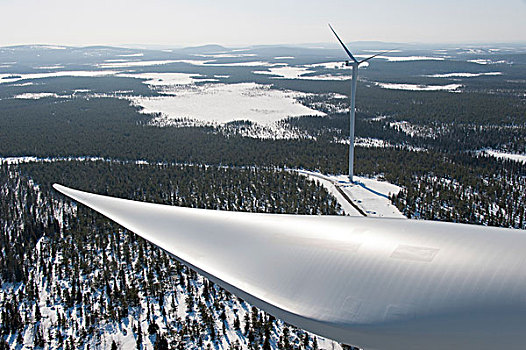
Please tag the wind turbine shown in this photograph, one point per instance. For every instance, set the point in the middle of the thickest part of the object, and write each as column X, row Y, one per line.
column 354, row 63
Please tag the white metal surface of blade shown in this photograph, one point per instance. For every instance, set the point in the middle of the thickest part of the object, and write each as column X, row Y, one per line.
column 374, row 283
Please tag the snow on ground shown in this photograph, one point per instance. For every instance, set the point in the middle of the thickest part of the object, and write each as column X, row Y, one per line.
column 132, row 55
column 49, row 47
column 325, row 77
column 128, row 64
column 241, row 64
column 55, row 66
column 163, row 79
column 328, row 65
column 117, row 60
column 193, row 62
column 286, row 72
column 405, row 58
column 284, row 58
column 416, row 87
column 10, row 78
column 39, row 95
column 33, row 159
column 289, row 72
column 226, row 55
column 413, row 130
column 462, row 75
column 504, row 155
column 223, row 103
column 486, row 61
column 370, row 195
column 29, row 83
column 213, row 63
column 367, row 142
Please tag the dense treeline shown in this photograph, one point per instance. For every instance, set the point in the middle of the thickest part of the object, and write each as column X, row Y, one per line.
column 492, row 201
column 78, row 86
column 451, row 138
column 462, row 188
column 112, row 128
column 210, row 187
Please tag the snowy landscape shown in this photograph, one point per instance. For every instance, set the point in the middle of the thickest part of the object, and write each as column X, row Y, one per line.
column 440, row 135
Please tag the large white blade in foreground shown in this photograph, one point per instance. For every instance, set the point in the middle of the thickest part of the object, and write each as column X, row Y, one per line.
column 375, row 283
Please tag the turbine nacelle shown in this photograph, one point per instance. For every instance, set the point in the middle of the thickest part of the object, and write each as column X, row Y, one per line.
column 353, row 60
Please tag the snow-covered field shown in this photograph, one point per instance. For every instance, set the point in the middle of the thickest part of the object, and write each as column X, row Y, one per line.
column 406, row 58
column 11, row 78
column 463, row 75
column 503, row 155
column 127, row 64
column 370, row 195
column 33, row 159
column 328, row 65
column 288, row 72
column 226, row 55
column 416, row 87
column 365, row 142
column 486, row 61
column 140, row 54
column 164, row 79
column 223, row 103
column 39, row 95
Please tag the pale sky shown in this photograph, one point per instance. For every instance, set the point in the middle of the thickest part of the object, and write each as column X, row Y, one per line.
column 243, row 23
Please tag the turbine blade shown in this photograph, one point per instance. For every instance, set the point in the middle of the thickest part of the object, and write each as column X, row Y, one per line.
column 344, row 47
column 373, row 56
column 315, row 271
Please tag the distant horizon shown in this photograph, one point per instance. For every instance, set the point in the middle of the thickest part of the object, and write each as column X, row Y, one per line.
column 236, row 23
column 314, row 45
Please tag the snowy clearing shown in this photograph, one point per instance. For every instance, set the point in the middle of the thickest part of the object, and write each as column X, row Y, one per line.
column 33, row 159
column 366, row 142
column 325, row 77
column 132, row 55
column 288, row 72
column 413, row 130
column 10, row 78
column 49, row 47
column 405, row 58
column 226, row 55
column 462, row 75
column 163, row 79
column 134, row 64
column 504, row 155
column 39, row 95
column 241, row 64
column 370, row 195
column 415, row 87
column 329, row 65
column 486, row 61
column 56, row 66
column 223, row 103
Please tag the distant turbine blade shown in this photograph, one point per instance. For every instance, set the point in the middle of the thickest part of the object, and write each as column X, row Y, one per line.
column 373, row 56
column 344, row 47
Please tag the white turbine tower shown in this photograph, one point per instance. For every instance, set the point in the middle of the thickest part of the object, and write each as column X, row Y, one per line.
column 354, row 63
